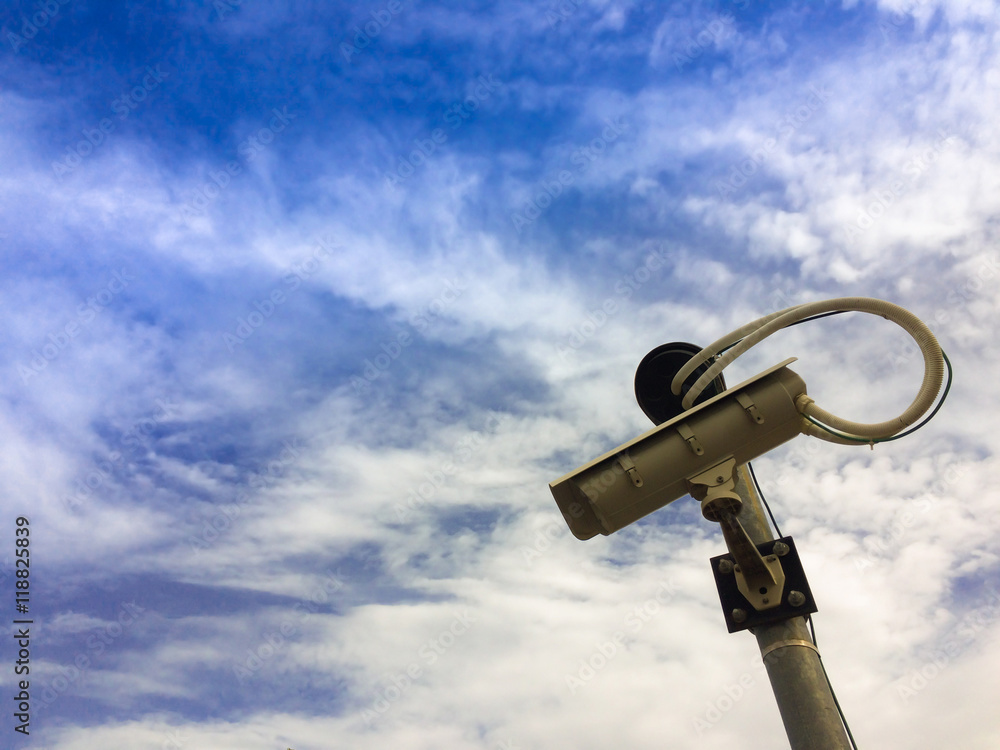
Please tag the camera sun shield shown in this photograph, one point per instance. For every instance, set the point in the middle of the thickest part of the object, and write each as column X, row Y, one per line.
column 652, row 470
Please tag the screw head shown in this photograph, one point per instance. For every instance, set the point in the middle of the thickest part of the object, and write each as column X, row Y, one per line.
column 725, row 567
column 765, row 600
column 771, row 558
column 781, row 549
column 796, row 598
column 739, row 615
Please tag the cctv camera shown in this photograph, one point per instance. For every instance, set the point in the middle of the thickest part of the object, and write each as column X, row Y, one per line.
column 658, row 467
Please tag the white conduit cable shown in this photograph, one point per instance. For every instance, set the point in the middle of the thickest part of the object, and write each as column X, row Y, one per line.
column 753, row 333
column 717, row 346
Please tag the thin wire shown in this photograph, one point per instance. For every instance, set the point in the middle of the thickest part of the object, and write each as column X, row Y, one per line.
column 812, row 626
column 855, row 438
column 833, row 694
column 790, row 325
column 763, row 500
column 940, row 403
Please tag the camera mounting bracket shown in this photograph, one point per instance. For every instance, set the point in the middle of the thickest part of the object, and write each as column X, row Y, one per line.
column 761, row 580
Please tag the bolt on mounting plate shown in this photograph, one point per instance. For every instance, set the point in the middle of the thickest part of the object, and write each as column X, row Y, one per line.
column 795, row 581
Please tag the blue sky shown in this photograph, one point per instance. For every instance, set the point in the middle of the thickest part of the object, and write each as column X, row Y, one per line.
column 306, row 303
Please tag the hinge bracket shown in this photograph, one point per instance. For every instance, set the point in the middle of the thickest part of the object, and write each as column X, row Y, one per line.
column 628, row 465
column 751, row 408
column 688, row 434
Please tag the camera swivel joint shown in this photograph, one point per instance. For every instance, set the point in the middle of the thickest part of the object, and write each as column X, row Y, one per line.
column 757, row 584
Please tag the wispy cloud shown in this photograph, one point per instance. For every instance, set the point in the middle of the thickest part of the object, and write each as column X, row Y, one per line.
column 306, row 303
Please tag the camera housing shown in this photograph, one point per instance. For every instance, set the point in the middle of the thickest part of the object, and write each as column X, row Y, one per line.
column 655, row 373
column 654, row 469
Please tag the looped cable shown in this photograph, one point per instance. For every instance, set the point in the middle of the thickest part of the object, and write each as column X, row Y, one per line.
column 752, row 333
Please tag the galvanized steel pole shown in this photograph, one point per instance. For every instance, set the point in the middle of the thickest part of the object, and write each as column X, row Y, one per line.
column 808, row 711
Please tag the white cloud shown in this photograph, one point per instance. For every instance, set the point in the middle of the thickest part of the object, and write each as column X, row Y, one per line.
column 481, row 571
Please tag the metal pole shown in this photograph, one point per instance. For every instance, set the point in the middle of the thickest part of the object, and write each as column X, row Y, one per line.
column 805, row 703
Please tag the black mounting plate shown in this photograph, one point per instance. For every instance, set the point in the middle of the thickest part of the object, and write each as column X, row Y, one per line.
column 795, row 580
